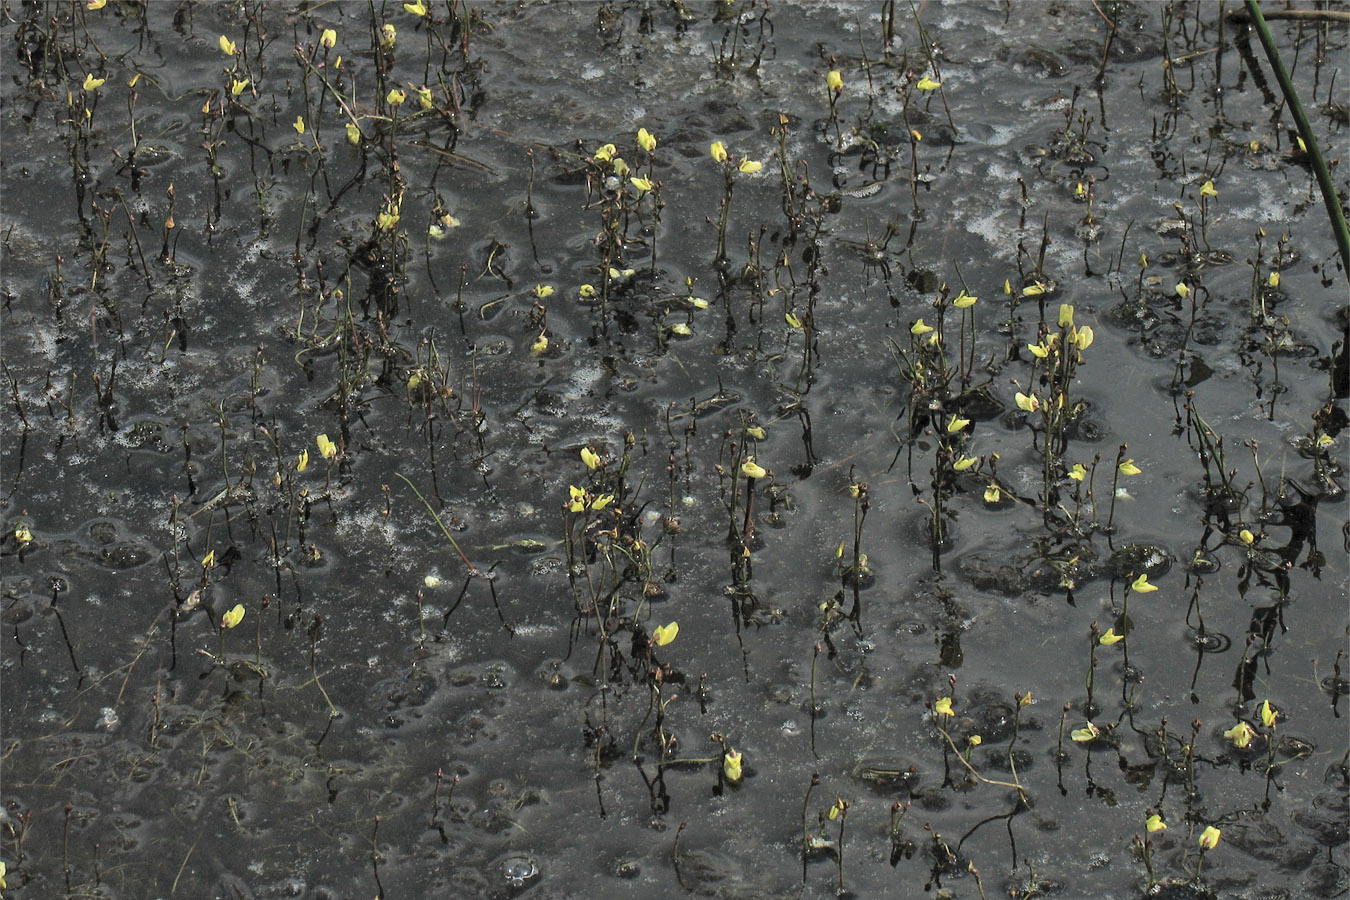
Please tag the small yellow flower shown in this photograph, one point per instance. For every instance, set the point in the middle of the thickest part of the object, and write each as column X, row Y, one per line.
column 964, row 463
column 682, row 329
column 1274, row 279
column 1154, row 823
column 752, row 469
column 90, row 5
column 588, row 292
column 302, row 461
column 1141, row 585
column 2, row 865
column 1208, row 190
column 919, row 327
column 1324, row 440
column 1034, row 290
column 1110, row 637
column 1078, row 472
column 540, row 344
column 233, row 617
column 964, row 301
column 698, row 302
column 396, row 96
column 328, row 38
column 327, row 449
column 424, row 97
column 1083, row 337
column 237, row 87
column 387, row 220
column 576, row 499
column 664, row 634
column 928, row 84
column 543, row 291
column 642, row 184
column 602, row 501
column 975, row 740
column 92, row 84
column 1027, row 402
column 646, row 140
column 299, row 125
column 718, row 150
column 1241, row 735
column 1247, row 537
column 1040, row 351
column 1087, row 733
column 1182, row 290
column 956, row 424
column 353, row 133
column 605, row 153
column 756, row 432
column 731, row 766
column 417, row 8
column 992, row 494
column 227, row 46
column 22, row 533
column 1129, row 468
column 943, row 707
column 750, row 166
column 1007, row 286
column 209, row 560
column 1268, row 715
column 834, row 81
column 620, row 167
column 590, row 458
column 1066, row 315
column 388, row 35
column 1209, row 838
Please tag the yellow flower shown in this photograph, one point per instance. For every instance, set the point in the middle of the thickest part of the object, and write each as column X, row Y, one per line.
column 975, row 740
column 92, row 84
column 928, row 84
column 576, row 500
column 1083, row 337
column 1274, row 279
column 386, row 220
column 1209, row 838
column 698, row 303
column 605, row 153
column 353, row 133
column 992, row 494
column 588, row 291
column 642, row 184
column 1088, row 732
column 620, row 167
column 1141, row 585
column 1268, row 715
column 731, row 766
column 209, row 560
column 602, row 501
column 22, row 533
column 756, row 432
column 664, row 634
column 327, row 449
column 1324, row 440
column 752, row 469
column 388, row 35
column 2, row 865
column 90, row 5
column 964, row 301
column 682, row 329
column 233, row 617
column 919, row 327
column 1208, row 190
column 237, row 87
column 834, row 81
column 956, row 424
column 1040, row 351
column 540, row 344
column 590, row 458
column 1078, row 472
column 328, row 38
column 1034, row 290
column 424, row 97
column 1110, row 637
column 299, row 125
column 396, row 96
column 417, row 8
column 1129, row 468
column 302, row 461
column 1247, row 537
column 1027, row 402
column 964, row 463
column 1182, row 290
column 793, row 321
column 1154, row 824
column 750, row 166
column 1066, row 315
column 227, row 46
column 718, row 151
column 1240, row 734
column 943, row 707
column 543, row 291
column 1007, row 286
column 646, row 140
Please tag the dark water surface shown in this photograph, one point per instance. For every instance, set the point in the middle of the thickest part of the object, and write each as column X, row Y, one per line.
column 195, row 291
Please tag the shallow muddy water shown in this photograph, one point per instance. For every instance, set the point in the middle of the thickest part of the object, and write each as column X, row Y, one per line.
column 370, row 420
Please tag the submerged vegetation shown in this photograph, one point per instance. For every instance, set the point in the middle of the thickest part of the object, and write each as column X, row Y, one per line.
column 441, row 437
